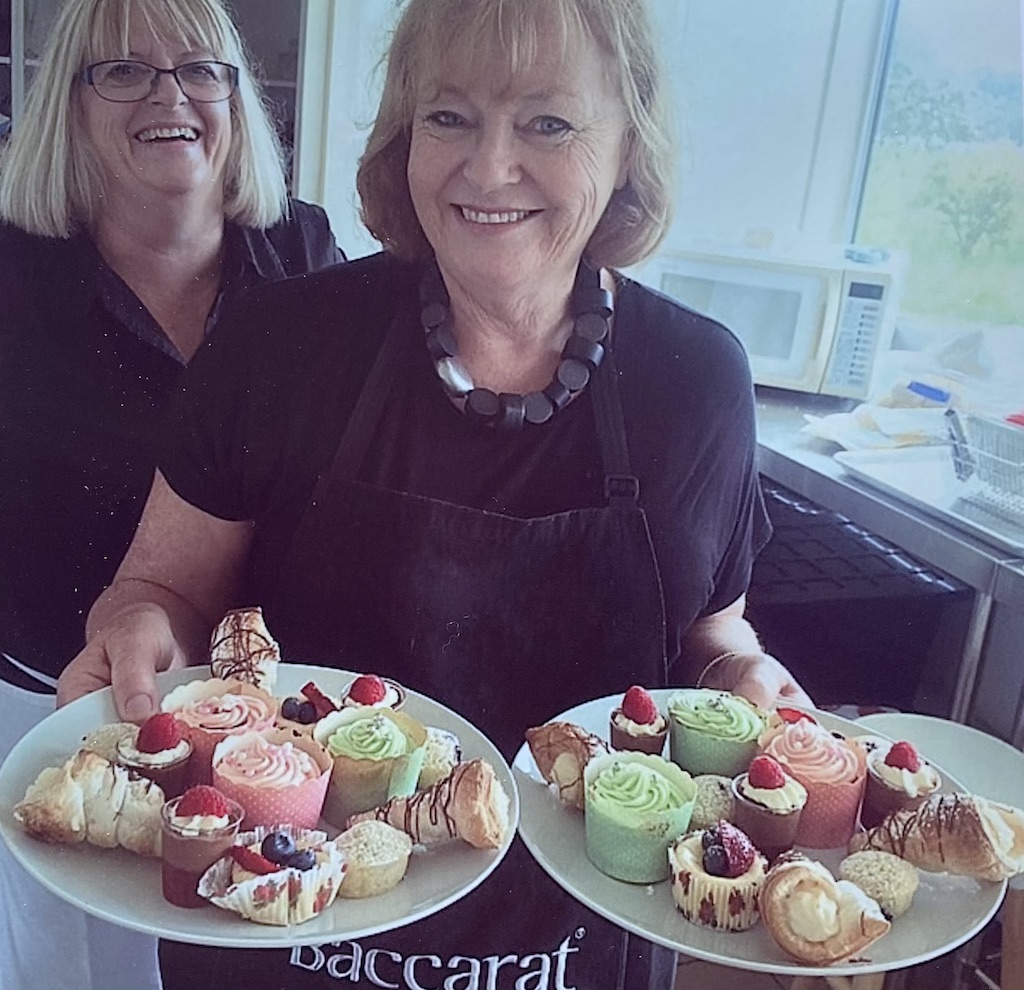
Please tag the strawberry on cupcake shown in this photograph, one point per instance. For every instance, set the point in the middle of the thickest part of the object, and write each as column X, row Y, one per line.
column 637, row 724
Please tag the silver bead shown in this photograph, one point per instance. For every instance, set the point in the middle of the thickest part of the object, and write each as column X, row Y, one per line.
column 455, row 377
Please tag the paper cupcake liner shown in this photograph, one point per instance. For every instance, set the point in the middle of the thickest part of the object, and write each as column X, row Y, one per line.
column 699, row 752
column 721, row 903
column 288, row 897
column 298, row 805
column 829, row 818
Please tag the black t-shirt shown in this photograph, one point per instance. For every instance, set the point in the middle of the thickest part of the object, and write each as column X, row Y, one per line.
column 84, row 375
column 261, row 410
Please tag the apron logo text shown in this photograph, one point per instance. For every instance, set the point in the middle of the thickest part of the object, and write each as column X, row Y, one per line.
column 391, row 971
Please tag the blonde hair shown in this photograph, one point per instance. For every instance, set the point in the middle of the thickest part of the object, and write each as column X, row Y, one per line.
column 50, row 181
column 496, row 36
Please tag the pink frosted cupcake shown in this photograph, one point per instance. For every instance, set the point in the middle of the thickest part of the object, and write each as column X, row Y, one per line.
column 213, row 709
column 279, row 778
column 833, row 773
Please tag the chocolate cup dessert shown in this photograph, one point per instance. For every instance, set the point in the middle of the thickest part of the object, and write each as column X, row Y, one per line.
column 772, row 832
column 172, row 777
column 881, row 799
column 187, row 854
column 622, row 740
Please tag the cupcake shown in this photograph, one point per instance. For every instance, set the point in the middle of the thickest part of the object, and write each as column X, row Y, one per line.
column 377, row 855
column 213, row 709
column 712, row 731
column 371, row 691
column 637, row 724
column 278, row 777
column 377, row 753
column 714, row 800
column 199, row 826
column 832, row 770
column 885, row 878
column 716, row 877
column 768, row 805
column 280, row 876
column 898, row 780
column 635, row 804
column 160, row 751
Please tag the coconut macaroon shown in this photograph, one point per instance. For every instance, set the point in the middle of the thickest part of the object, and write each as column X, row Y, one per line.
column 714, row 800
column 885, row 878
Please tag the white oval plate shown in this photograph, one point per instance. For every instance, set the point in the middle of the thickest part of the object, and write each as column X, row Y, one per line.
column 946, row 912
column 120, row 887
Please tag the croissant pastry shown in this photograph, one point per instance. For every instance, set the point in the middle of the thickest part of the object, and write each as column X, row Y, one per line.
column 89, row 799
column 815, row 918
column 561, row 750
column 954, row 833
column 242, row 649
column 469, row 804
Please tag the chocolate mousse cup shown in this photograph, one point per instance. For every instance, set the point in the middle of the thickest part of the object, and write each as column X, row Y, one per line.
column 172, row 777
column 622, row 740
column 880, row 800
column 187, row 854
column 772, row 832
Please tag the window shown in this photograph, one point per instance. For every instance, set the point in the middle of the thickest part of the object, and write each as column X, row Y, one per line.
column 945, row 176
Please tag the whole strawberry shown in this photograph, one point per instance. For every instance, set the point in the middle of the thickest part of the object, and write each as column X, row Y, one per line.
column 203, row 801
column 903, row 756
column 638, row 706
column 739, row 850
column 765, row 773
column 254, row 862
column 793, row 715
column 158, row 733
column 367, row 689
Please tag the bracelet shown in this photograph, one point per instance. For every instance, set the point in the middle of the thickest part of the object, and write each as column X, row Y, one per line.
column 722, row 657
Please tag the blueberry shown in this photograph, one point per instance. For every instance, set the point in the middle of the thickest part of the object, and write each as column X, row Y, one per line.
column 709, row 838
column 290, row 708
column 278, row 847
column 716, row 862
column 307, row 713
column 301, row 860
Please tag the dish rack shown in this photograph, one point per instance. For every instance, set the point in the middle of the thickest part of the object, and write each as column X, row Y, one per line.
column 988, row 455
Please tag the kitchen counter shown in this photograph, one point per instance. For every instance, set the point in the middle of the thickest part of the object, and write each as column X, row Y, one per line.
column 805, row 465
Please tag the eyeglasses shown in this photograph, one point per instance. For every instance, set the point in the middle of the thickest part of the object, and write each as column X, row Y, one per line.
column 128, row 81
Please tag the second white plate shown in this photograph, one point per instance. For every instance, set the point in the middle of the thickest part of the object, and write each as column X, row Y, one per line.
column 946, row 910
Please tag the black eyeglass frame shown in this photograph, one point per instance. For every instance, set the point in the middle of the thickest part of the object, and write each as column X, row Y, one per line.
column 86, row 76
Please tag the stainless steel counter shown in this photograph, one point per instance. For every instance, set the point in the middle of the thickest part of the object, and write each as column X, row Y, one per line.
column 805, row 465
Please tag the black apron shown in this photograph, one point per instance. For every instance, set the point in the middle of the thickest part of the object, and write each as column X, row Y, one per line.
column 508, row 621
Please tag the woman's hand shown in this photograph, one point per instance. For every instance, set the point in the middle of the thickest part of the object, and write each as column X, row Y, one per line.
column 127, row 653
column 759, row 677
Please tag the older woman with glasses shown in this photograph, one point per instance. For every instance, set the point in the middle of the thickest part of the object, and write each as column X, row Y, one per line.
column 142, row 189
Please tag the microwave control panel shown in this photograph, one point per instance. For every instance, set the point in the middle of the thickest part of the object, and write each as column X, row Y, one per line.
column 859, row 327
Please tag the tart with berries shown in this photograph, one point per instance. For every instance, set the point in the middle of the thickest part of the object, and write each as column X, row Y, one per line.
column 279, row 876
column 303, row 710
column 767, row 805
column 898, row 780
column 717, row 874
column 637, row 724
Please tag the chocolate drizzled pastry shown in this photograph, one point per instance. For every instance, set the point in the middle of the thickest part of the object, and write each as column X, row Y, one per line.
column 242, row 649
column 955, row 833
column 469, row 804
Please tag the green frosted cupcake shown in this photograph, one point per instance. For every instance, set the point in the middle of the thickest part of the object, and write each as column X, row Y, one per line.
column 635, row 805
column 712, row 731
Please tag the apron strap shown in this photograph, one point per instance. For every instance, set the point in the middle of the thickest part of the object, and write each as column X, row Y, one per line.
column 621, row 486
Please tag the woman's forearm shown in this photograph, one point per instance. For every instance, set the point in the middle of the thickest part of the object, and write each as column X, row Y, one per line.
column 714, row 636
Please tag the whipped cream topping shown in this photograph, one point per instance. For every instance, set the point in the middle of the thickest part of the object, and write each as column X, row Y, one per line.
column 225, row 712
column 639, row 728
column 267, row 764
column 813, row 755
column 199, row 824
column 128, row 750
column 791, row 796
column 913, row 783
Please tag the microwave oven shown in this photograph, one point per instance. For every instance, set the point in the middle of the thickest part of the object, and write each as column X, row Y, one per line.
column 809, row 324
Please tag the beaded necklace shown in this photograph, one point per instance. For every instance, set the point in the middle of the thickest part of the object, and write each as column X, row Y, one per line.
column 591, row 306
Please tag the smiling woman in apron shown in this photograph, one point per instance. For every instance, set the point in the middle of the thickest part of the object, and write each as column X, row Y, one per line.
column 482, row 462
